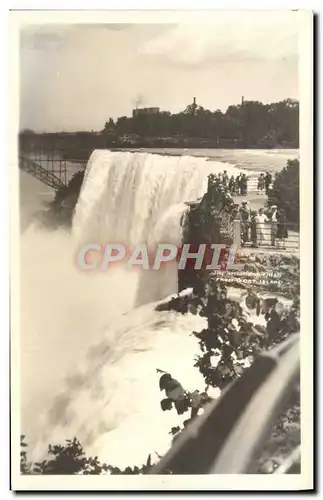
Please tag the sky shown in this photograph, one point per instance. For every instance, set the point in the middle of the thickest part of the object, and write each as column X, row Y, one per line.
column 76, row 76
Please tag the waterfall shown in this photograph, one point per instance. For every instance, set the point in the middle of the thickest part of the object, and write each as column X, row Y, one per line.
column 89, row 357
column 132, row 198
column 124, row 195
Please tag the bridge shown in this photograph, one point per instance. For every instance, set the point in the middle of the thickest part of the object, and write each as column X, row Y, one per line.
column 49, row 170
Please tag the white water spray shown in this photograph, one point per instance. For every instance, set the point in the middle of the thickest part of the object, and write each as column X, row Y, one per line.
column 84, row 372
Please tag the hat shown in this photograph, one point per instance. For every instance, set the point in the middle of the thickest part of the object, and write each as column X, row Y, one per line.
column 273, row 206
column 244, row 203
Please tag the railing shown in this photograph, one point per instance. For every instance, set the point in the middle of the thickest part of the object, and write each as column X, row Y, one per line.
column 252, row 185
column 226, row 224
column 267, row 235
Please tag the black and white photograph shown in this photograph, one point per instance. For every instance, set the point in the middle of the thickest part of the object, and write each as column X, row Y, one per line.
column 161, row 250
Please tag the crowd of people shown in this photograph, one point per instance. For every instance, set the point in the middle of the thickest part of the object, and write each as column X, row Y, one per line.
column 256, row 225
column 234, row 185
column 238, row 185
column 264, row 182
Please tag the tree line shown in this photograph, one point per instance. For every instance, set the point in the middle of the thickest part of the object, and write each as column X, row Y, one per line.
column 249, row 124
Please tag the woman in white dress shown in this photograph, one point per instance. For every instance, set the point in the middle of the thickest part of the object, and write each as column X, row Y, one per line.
column 261, row 218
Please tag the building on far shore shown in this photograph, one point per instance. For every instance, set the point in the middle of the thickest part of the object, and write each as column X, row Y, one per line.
column 144, row 111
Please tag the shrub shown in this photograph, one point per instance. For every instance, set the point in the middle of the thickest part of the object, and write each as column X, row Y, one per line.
column 70, row 458
column 285, row 191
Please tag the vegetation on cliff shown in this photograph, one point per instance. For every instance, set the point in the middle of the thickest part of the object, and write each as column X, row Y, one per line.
column 61, row 210
column 285, row 191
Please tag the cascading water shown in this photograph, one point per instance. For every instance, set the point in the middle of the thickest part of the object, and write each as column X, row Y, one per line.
column 85, row 375
column 124, row 195
column 131, row 198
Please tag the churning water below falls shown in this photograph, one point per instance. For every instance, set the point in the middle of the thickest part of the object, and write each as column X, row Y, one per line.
column 91, row 343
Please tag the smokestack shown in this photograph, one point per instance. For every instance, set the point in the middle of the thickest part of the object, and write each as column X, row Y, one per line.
column 194, row 101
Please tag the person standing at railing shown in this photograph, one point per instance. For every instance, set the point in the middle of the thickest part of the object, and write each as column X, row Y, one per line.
column 261, row 183
column 232, row 185
column 267, row 179
column 261, row 218
column 225, row 178
column 244, row 213
column 282, row 232
column 238, row 185
column 273, row 219
column 244, row 185
column 253, row 228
